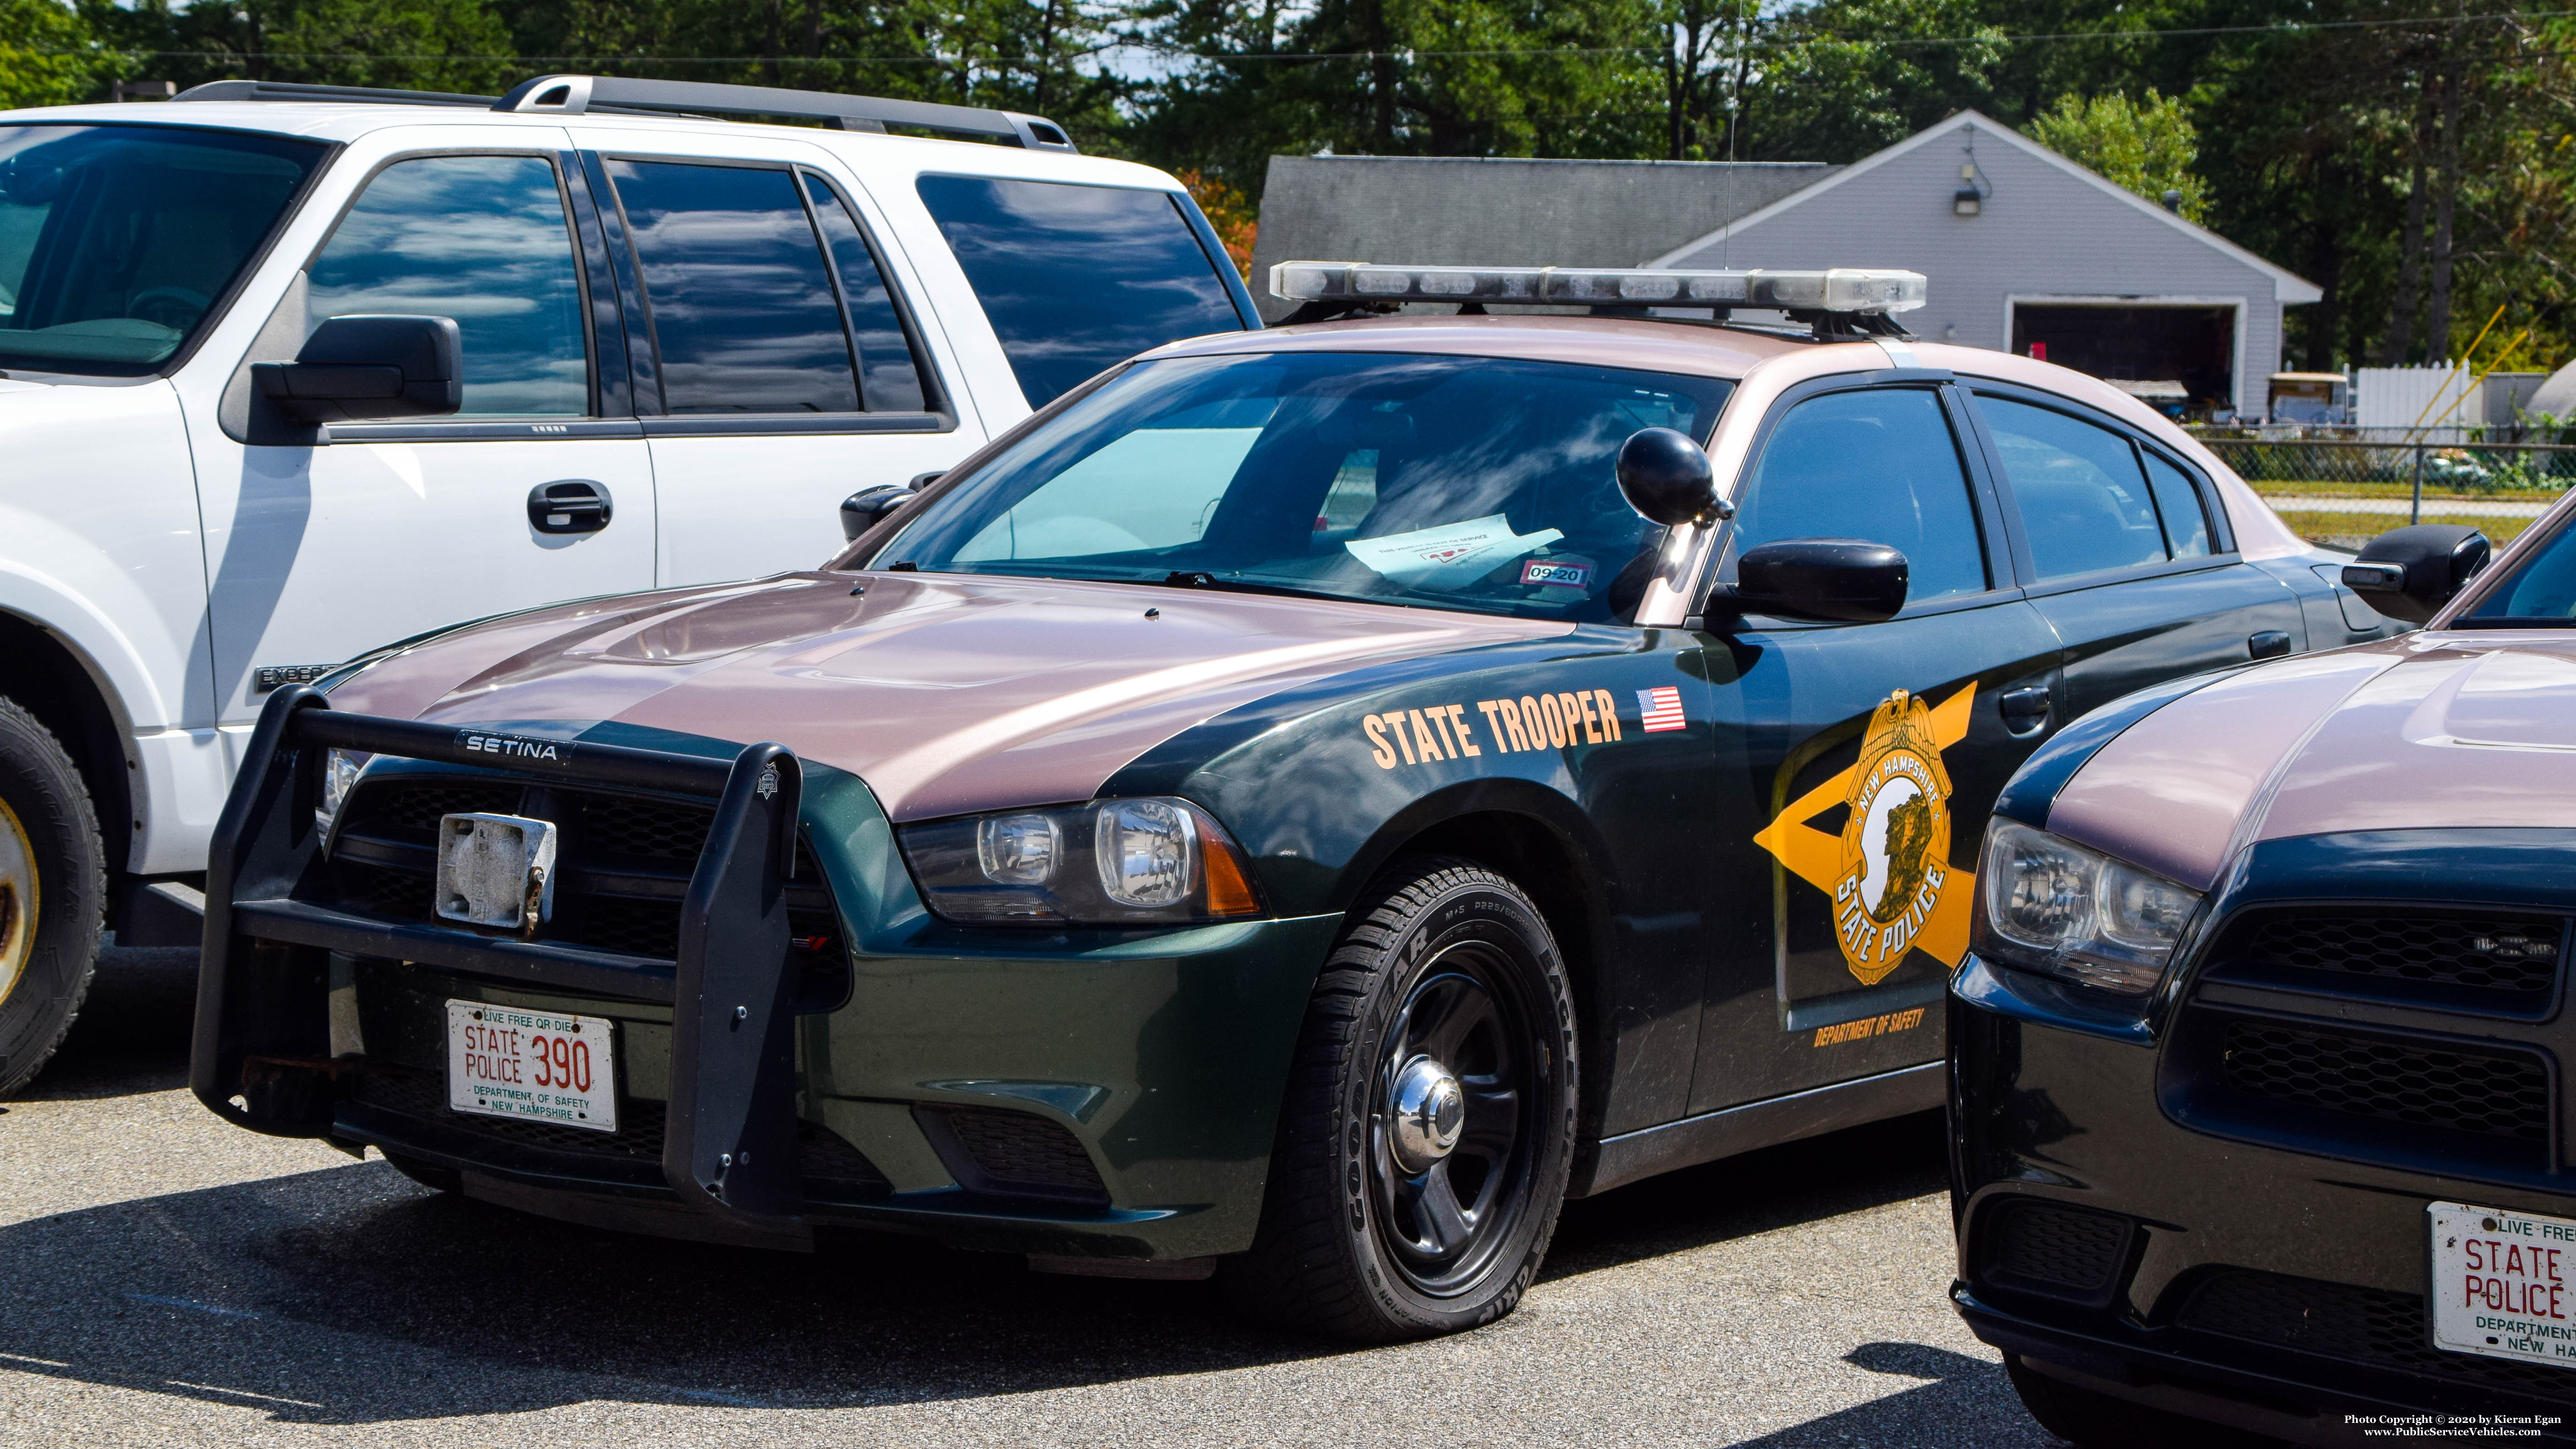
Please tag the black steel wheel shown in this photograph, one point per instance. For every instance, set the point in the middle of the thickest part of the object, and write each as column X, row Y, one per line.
column 1430, row 1116
column 53, row 895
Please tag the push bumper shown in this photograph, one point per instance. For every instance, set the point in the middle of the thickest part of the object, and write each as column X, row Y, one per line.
column 1149, row 1064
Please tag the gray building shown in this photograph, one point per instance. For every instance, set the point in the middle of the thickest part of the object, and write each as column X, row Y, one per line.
column 2024, row 248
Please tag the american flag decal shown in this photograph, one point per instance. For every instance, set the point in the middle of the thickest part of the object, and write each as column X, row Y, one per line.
column 1662, row 708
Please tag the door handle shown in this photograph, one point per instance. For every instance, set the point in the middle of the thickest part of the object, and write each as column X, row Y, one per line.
column 2269, row 644
column 571, row 505
column 2024, row 709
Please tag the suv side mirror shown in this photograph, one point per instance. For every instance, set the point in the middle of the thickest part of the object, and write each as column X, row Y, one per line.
column 1840, row 580
column 2410, row 573
column 868, row 507
column 360, row 368
column 1666, row 477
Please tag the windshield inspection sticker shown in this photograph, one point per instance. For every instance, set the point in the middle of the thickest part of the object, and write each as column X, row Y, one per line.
column 1451, row 556
column 1556, row 572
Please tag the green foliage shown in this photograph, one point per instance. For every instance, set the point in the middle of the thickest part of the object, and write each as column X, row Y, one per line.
column 2146, row 146
column 49, row 56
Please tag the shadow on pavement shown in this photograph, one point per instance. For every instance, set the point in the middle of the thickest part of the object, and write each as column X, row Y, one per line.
column 1955, row 1388
column 350, row 1295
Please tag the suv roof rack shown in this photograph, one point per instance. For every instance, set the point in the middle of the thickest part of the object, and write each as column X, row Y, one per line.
column 574, row 95
column 1835, row 303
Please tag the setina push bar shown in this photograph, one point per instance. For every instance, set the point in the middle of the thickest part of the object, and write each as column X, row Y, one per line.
column 261, row 1056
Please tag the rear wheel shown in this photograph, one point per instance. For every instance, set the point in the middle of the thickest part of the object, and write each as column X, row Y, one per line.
column 53, row 894
column 1429, row 1122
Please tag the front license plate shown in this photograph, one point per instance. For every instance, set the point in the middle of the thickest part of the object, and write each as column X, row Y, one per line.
column 2504, row 1284
column 534, row 1065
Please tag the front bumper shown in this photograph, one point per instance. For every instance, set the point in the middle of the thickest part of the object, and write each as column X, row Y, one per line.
column 1082, row 1092
column 2277, row 1289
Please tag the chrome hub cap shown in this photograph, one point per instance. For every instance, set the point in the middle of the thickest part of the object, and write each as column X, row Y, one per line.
column 1427, row 1111
column 17, row 899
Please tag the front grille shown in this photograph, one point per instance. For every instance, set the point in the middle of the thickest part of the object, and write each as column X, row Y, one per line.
column 2497, row 1095
column 622, row 867
column 2033, row 1246
column 1013, row 1153
column 2507, row 963
column 2368, row 1326
column 834, row 1171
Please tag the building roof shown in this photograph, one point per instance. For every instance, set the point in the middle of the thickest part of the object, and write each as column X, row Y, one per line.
column 2287, row 286
column 1502, row 211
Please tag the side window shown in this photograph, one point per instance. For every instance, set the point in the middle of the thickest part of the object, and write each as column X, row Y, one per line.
column 743, row 311
column 2178, row 504
column 1881, row 465
column 1075, row 278
column 2083, row 497
column 482, row 239
column 889, row 374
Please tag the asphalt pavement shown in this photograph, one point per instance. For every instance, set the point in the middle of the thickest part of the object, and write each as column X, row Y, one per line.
column 168, row 1280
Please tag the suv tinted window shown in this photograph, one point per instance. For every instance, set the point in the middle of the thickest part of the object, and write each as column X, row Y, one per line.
column 115, row 241
column 1075, row 278
column 743, row 311
column 2083, row 498
column 482, row 239
column 889, row 374
column 1880, row 465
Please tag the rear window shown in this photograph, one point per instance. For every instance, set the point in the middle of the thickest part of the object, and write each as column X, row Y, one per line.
column 1075, row 278
column 116, row 241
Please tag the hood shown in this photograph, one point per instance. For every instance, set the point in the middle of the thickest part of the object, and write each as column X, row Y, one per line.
column 945, row 693
column 2457, row 729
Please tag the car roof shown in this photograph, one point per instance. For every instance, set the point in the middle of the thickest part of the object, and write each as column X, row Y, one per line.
column 343, row 121
column 1645, row 344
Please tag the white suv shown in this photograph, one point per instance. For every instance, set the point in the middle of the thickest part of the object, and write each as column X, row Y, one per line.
column 287, row 372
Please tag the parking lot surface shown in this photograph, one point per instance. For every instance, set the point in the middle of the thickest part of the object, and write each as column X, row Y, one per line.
column 171, row 1281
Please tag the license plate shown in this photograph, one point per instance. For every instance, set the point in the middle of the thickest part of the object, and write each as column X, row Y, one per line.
column 532, row 1065
column 2504, row 1284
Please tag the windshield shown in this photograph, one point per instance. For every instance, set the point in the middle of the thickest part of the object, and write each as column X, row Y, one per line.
column 115, row 241
column 1448, row 482
column 2540, row 591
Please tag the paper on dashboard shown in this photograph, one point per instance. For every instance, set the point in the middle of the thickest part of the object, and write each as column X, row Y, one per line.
column 1451, row 556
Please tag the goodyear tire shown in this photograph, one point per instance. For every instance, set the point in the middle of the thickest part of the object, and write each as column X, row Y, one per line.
column 53, row 895
column 1430, row 1117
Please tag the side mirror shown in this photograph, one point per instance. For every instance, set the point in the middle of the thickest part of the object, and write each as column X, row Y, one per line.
column 868, row 507
column 358, row 368
column 1666, row 478
column 1842, row 580
column 2410, row 573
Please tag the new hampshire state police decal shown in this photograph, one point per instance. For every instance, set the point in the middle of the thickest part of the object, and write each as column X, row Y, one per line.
column 1888, row 872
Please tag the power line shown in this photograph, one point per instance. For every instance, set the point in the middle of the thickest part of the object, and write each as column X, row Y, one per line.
column 2294, row 27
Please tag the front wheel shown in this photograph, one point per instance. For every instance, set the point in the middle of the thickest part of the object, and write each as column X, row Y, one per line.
column 53, row 892
column 1430, row 1117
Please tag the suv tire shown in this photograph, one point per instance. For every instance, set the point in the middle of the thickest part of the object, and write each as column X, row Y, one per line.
column 53, row 895
column 1429, row 1121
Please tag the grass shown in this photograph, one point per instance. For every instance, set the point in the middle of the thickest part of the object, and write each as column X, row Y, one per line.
column 2319, row 527
column 2336, row 488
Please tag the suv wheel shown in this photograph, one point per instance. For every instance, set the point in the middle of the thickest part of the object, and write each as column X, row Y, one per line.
column 1430, row 1117
column 53, row 895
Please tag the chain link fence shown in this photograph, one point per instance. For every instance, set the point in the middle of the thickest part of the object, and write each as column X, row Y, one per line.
column 2340, row 492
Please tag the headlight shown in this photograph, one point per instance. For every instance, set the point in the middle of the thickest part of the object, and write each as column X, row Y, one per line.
column 2053, row 907
column 1110, row 862
column 340, row 770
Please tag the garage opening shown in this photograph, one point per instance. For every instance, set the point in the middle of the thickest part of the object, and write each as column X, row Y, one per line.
column 2194, row 346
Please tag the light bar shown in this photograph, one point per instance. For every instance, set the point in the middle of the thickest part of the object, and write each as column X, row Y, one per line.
column 1835, row 289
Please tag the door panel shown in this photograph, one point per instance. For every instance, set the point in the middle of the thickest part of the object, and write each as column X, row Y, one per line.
column 320, row 552
column 2119, row 543
column 1876, row 750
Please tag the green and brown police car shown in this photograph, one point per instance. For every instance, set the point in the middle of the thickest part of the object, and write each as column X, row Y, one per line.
column 1299, row 808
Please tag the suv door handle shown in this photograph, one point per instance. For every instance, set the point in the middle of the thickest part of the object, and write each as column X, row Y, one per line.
column 2024, row 709
column 2269, row 644
column 571, row 505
